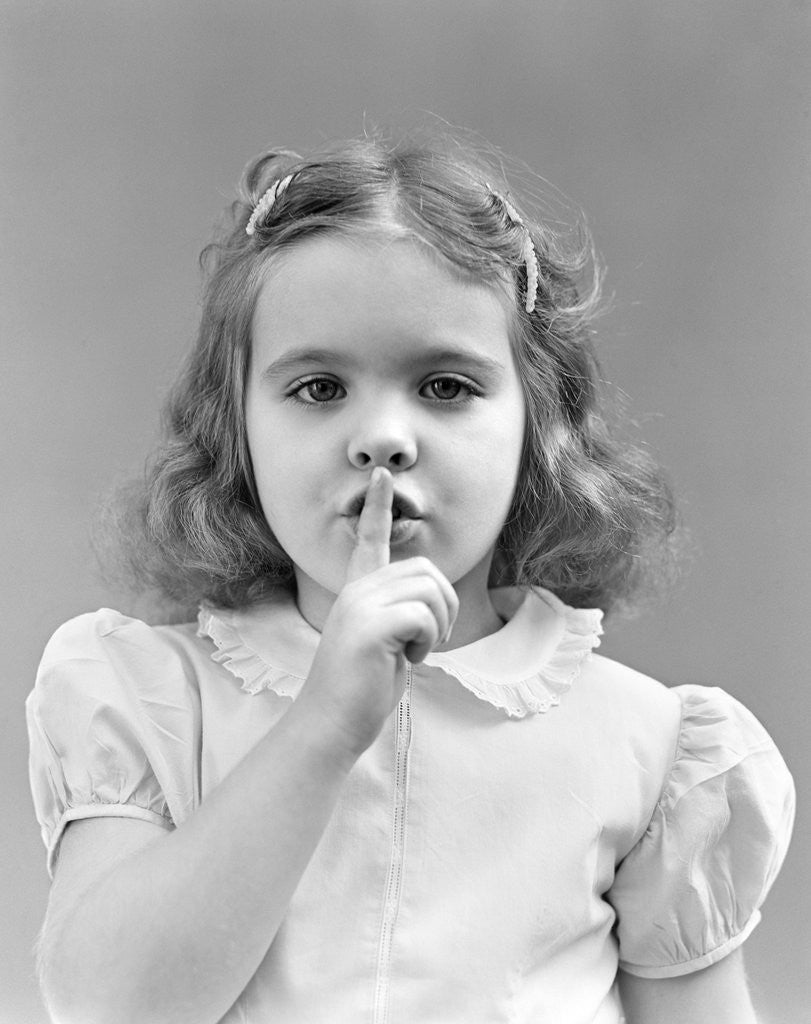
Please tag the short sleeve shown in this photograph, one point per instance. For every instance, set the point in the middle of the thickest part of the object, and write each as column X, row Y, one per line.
column 689, row 891
column 106, row 727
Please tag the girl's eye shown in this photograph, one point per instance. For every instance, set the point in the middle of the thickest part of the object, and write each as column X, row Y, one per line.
column 448, row 389
column 317, row 390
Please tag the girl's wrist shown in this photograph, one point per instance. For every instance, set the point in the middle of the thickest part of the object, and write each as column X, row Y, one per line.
column 323, row 734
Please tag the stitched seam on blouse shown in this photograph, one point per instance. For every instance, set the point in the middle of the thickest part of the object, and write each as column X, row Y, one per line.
column 677, row 750
column 394, row 880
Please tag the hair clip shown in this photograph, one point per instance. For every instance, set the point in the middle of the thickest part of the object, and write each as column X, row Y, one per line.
column 265, row 204
column 527, row 250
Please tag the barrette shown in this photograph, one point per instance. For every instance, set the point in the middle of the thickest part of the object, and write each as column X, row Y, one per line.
column 527, row 249
column 265, row 204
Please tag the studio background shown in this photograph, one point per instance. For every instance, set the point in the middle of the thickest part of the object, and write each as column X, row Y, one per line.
column 682, row 129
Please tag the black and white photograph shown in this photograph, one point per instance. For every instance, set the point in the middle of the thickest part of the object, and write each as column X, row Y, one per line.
column 405, row 505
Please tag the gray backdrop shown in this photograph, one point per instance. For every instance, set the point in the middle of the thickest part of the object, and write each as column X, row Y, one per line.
column 682, row 129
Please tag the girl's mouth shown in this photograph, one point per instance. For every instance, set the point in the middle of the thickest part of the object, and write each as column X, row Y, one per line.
column 402, row 528
column 405, row 517
column 402, row 508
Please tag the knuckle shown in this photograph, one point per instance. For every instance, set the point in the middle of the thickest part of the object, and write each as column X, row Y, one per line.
column 428, row 619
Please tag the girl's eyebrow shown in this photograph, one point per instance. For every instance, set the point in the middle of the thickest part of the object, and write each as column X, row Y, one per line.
column 464, row 357
column 292, row 360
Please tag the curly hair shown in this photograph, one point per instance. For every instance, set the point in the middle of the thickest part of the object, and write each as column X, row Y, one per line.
column 591, row 519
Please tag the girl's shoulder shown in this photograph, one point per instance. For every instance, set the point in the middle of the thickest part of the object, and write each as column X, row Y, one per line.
column 686, row 735
column 104, row 663
column 628, row 703
column 126, row 652
column 694, row 722
column 105, row 630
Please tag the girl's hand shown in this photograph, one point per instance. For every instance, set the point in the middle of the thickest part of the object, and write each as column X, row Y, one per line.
column 384, row 615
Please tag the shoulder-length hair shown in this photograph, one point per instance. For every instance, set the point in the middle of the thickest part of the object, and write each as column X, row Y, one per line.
column 591, row 516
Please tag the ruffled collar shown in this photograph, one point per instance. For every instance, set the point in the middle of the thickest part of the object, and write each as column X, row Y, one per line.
column 523, row 668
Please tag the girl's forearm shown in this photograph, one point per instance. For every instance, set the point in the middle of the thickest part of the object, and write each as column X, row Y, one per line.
column 175, row 931
column 715, row 995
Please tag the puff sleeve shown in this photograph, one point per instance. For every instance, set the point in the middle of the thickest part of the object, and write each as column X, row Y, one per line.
column 688, row 892
column 110, row 724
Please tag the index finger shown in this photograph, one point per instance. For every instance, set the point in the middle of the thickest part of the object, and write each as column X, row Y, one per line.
column 374, row 527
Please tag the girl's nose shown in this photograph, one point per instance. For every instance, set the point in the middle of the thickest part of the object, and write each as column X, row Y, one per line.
column 377, row 442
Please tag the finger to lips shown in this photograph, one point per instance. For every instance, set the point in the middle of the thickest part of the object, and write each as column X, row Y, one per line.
column 374, row 527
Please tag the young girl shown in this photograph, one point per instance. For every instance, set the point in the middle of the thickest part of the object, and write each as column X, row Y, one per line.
column 383, row 778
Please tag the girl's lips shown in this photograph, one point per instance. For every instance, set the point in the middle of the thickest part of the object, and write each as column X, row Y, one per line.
column 406, row 516
column 402, row 529
column 402, row 506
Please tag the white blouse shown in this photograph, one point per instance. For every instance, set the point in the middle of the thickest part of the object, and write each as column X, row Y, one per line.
column 532, row 816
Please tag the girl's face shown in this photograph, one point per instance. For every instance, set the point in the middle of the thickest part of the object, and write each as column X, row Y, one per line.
column 378, row 353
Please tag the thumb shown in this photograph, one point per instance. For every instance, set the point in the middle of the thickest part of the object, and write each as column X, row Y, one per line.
column 374, row 527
